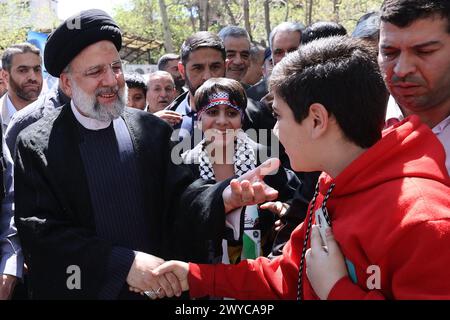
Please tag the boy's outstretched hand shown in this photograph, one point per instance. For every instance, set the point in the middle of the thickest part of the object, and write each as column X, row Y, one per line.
column 179, row 269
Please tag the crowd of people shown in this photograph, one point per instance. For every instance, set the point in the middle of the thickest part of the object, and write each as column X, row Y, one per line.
column 317, row 168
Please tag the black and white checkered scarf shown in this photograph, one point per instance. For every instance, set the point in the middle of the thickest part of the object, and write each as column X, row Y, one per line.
column 244, row 158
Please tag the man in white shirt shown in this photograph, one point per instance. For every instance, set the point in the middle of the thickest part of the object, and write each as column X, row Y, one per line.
column 23, row 73
column 415, row 61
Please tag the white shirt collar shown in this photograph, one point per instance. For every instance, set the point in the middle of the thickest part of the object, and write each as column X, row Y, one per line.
column 441, row 126
column 393, row 111
column 88, row 123
column 10, row 110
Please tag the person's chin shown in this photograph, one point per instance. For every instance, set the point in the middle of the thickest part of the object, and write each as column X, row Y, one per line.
column 162, row 105
column 235, row 75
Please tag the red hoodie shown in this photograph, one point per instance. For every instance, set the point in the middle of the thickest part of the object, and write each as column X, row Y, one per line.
column 390, row 210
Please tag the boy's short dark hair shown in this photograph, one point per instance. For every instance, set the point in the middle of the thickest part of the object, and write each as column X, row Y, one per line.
column 214, row 85
column 404, row 12
column 322, row 29
column 202, row 39
column 342, row 74
column 135, row 80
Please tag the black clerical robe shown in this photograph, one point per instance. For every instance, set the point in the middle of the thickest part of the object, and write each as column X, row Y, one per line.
column 54, row 213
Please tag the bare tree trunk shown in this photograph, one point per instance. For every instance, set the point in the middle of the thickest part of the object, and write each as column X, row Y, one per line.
column 267, row 19
column 286, row 16
column 310, row 10
column 247, row 18
column 336, row 6
column 168, row 44
column 192, row 18
column 203, row 14
column 230, row 13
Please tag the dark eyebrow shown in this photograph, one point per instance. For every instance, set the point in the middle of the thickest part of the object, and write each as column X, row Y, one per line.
column 99, row 65
column 427, row 44
column 417, row 46
column 26, row 66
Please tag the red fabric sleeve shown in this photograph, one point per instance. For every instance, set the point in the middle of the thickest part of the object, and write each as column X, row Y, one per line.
column 251, row 279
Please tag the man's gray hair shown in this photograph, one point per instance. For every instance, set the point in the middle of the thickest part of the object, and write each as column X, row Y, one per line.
column 285, row 27
column 234, row 32
column 19, row 48
column 159, row 73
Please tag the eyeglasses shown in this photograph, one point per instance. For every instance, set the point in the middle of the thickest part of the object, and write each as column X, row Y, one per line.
column 97, row 71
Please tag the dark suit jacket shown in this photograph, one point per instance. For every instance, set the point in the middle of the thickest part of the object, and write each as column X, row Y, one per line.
column 54, row 211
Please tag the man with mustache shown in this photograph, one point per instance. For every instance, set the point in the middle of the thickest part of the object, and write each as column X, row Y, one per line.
column 237, row 46
column 202, row 57
column 23, row 73
column 97, row 193
column 414, row 57
column 284, row 38
column 161, row 92
column 169, row 63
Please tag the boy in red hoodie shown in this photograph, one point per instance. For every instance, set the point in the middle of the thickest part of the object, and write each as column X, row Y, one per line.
column 386, row 198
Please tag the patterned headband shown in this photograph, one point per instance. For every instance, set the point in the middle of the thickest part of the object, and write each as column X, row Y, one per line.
column 219, row 98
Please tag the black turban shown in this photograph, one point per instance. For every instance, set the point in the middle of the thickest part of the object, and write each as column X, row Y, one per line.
column 77, row 33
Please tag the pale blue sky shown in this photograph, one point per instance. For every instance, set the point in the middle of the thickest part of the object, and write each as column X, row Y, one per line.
column 66, row 8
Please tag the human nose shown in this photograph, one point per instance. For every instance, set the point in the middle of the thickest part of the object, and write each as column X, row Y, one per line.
column 237, row 59
column 221, row 119
column 207, row 74
column 33, row 75
column 276, row 130
column 404, row 65
column 164, row 93
column 110, row 76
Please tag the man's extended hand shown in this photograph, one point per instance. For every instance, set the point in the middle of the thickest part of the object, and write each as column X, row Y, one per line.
column 324, row 265
column 250, row 189
column 7, row 285
column 140, row 277
column 171, row 117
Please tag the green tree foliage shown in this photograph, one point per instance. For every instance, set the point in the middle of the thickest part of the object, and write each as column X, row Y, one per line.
column 14, row 23
column 16, row 19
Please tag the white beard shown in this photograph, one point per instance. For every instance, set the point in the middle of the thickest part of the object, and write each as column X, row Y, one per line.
column 91, row 108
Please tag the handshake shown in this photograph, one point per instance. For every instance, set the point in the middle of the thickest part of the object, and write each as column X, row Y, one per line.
column 156, row 278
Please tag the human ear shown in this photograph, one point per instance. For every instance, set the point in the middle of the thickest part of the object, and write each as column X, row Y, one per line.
column 319, row 118
column 65, row 84
column 182, row 70
column 5, row 76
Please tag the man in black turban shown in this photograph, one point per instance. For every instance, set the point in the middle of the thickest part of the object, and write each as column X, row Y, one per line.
column 97, row 193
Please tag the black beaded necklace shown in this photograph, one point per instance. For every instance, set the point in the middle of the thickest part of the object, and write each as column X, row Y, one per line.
column 308, row 229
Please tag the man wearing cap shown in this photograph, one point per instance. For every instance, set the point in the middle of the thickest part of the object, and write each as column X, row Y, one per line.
column 96, row 188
